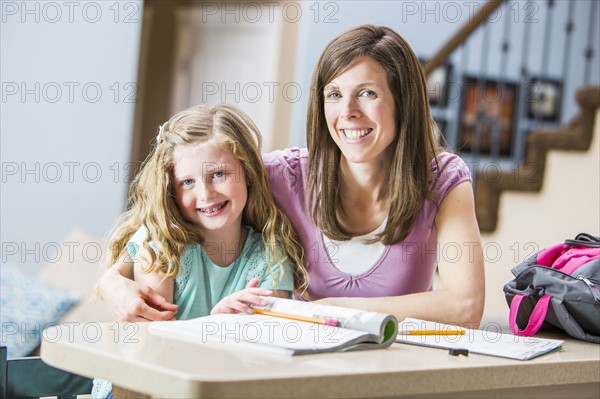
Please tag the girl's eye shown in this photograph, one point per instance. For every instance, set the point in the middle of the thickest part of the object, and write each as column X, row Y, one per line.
column 220, row 174
column 187, row 182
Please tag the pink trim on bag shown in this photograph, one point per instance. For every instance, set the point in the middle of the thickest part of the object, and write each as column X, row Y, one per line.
column 566, row 258
column 535, row 320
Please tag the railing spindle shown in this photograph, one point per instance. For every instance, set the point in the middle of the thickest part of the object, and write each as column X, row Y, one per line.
column 547, row 39
column 589, row 52
column 523, row 98
column 569, row 26
column 462, row 35
column 496, row 132
column 482, row 122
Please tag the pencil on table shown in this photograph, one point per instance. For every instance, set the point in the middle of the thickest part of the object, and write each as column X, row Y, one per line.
column 432, row 332
column 327, row 322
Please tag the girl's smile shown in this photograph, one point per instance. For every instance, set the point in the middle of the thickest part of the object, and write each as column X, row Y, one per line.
column 213, row 210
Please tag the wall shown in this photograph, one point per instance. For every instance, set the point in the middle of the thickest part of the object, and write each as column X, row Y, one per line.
column 236, row 53
column 567, row 205
column 68, row 95
column 427, row 25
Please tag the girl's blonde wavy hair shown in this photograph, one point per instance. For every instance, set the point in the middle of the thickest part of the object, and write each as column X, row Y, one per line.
column 152, row 194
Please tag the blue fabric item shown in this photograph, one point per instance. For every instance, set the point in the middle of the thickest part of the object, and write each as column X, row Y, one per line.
column 28, row 306
column 102, row 389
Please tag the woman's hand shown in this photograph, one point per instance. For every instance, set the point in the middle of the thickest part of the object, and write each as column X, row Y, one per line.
column 239, row 302
column 129, row 300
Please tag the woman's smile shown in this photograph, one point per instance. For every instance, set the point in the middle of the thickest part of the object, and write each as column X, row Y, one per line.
column 356, row 134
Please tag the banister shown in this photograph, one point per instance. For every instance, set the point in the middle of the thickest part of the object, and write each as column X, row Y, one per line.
column 455, row 41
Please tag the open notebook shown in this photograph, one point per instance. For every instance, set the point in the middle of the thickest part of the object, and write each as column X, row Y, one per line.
column 352, row 329
column 488, row 341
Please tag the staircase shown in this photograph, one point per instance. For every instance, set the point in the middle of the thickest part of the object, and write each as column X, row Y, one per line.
column 523, row 167
column 575, row 136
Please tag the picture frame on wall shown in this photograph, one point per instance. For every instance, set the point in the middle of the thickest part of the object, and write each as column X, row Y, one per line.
column 487, row 117
column 543, row 99
column 437, row 85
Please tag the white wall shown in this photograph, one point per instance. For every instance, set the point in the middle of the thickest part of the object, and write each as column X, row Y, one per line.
column 68, row 75
column 568, row 204
column 230, row 60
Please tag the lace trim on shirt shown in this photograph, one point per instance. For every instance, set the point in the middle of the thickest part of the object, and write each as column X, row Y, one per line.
column 185, row 267
column 257, row 267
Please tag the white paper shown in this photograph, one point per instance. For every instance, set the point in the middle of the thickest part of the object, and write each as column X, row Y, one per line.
column 488, row 341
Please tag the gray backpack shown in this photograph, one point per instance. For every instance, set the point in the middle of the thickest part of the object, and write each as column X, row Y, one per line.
column 558, row 287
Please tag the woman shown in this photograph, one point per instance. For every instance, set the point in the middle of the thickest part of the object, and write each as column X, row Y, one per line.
column 376, row 204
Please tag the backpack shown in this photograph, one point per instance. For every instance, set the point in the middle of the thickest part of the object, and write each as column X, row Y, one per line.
column 558, row 287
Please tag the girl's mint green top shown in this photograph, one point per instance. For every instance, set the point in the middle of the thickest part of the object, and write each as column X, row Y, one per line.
column 200, row 284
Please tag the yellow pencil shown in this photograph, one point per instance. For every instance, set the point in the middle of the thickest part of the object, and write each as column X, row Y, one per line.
column 327, row 322
column 432, row 332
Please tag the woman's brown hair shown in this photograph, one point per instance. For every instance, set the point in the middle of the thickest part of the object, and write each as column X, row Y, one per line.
column 415, row 145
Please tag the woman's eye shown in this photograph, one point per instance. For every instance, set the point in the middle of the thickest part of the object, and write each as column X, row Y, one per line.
column 367, row 93
column 187, row 182
column 220, row 174
column 333, row 96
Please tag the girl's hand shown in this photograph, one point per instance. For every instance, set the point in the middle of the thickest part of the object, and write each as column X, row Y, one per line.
column 239, row 302
column 129, row 300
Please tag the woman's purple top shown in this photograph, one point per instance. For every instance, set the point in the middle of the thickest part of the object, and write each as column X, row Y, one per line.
column 404, row 268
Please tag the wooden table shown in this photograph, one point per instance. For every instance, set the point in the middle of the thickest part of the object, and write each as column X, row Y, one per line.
column 158, row 366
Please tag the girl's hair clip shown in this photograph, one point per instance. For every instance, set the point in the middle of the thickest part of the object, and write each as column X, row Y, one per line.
column 160, row 136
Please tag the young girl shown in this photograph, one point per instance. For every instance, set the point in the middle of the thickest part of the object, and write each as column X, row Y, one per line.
column 202, row 228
